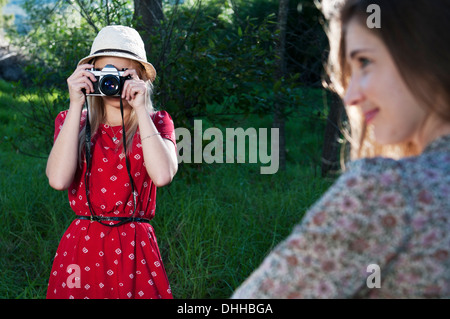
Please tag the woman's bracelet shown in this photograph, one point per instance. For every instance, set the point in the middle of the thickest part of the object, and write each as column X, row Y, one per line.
column 150, row 136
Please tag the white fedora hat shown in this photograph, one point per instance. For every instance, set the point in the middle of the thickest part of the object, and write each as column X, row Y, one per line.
column 120, row 41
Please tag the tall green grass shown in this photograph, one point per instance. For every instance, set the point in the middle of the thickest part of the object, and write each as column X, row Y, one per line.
column 212, row 235
column 212, row 230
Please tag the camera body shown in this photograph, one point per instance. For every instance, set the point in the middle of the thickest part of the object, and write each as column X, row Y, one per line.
column 109, row 81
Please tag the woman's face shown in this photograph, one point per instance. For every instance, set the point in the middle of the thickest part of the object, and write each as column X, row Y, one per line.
column 377, row 90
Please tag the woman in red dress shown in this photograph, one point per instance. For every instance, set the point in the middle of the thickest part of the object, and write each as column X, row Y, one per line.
column 110, row 249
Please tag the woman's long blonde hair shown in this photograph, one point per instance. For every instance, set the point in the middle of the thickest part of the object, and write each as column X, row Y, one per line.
column 415, row 34
column 97, row 115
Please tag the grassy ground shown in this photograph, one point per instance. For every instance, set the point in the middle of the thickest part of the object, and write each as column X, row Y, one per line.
column 212, row 230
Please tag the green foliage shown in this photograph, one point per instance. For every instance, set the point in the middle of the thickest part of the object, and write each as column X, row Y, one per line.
column 5, row 20
column 211, row 62
column 62, row 32
column 38, row 107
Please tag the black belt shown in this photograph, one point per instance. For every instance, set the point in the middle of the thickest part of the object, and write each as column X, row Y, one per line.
column 122, row 220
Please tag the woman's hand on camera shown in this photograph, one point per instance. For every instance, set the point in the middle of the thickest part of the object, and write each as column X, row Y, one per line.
column 79, row 83
column 134, row 90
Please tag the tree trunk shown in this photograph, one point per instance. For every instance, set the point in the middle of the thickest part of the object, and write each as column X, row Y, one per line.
column 147, row 17
column 330, row 151
column 280, row 72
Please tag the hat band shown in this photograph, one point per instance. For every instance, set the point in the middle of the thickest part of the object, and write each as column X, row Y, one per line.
column 119, row 51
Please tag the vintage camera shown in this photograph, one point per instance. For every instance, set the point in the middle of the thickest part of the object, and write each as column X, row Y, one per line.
column 109, row 81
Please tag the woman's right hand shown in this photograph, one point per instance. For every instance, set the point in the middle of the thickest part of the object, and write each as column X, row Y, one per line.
column 80, row 80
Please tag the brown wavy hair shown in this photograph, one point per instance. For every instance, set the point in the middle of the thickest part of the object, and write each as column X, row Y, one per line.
column 416, row 34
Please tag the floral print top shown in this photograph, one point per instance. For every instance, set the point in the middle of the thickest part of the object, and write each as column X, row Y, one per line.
column 394, row 214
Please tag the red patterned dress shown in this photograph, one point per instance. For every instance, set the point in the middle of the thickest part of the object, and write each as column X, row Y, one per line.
column 97, row 261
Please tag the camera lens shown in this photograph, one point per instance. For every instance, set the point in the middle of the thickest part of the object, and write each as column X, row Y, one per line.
column 110, row 85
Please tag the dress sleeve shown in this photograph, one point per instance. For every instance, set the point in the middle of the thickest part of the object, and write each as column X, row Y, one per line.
column 164, row 124
column 61, row 117
column 358, row 222
column 59, row 121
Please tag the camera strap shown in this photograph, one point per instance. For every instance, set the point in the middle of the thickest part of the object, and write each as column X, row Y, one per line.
column 87, row 174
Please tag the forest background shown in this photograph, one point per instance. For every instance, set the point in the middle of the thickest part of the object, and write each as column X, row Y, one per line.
column 229, row 63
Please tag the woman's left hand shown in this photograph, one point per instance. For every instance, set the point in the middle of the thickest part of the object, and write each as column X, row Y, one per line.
column 134, row 90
